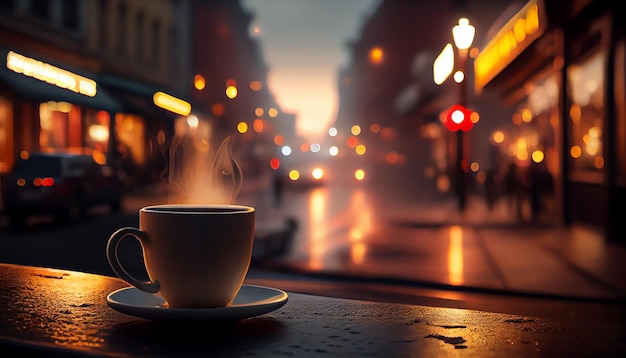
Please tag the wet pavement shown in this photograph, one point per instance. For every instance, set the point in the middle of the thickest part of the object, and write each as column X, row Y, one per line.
column 378, row 236
column 405, row 268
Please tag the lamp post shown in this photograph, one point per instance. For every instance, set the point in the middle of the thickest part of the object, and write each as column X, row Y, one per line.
column 463, row 35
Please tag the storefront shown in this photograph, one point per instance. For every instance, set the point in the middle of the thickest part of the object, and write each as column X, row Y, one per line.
column 145, row 127
column 49, row 107
column 140, row 129
column 560, row 66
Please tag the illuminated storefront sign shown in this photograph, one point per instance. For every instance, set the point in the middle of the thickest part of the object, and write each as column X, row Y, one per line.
column 444, row 64
column 50, row 74
column 518, row 33
column 172, row 103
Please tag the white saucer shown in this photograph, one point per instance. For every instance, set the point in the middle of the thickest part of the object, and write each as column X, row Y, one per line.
column 251, row 301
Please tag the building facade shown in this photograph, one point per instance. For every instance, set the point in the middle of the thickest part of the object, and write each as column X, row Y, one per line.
column 560, row 66
column 387, row 89
column 134, row 55
column 230, row 80
column 125, row 51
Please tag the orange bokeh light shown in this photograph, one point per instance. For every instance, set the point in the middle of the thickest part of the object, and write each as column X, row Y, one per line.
column 199, row 82
column 218, row 109
column 256, row 85
column 376, row 55
column 352, row 141
column 258, row 125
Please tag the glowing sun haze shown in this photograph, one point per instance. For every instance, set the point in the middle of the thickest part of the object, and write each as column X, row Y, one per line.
column 304, row 44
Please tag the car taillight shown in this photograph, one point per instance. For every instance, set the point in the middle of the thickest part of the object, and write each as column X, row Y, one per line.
column 43, row 181
column 47, row 181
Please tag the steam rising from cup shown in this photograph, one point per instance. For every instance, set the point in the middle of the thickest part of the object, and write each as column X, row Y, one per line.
column 199, row 174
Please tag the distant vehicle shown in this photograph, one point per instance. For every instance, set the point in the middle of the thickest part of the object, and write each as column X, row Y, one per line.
column 305, row 170
column 306, row 176
column 61, row 184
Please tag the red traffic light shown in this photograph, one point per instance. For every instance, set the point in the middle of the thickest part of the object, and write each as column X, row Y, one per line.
column 458, row 118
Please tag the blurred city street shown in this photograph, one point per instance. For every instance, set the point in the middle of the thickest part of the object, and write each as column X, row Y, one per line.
column 467, row 155
column 415, row 237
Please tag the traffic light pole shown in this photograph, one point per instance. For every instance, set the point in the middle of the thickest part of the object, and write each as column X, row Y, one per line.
column 461, row 160
column 461, row 189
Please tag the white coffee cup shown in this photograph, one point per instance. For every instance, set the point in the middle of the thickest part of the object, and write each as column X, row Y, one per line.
column 196, row 256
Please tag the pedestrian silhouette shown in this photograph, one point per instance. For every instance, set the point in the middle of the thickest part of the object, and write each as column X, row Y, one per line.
column 491, row 188
column 277, row 188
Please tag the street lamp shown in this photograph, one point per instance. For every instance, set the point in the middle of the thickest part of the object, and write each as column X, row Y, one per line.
column 463, row 35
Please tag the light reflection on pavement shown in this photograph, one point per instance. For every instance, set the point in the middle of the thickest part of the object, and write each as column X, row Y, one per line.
column 363, row 232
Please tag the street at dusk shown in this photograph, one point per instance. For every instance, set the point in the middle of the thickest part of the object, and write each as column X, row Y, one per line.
column 385, row 178
column 371, row 233
column 374, row 244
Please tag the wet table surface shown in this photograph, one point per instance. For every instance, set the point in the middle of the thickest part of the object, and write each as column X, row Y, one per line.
column 65, row 313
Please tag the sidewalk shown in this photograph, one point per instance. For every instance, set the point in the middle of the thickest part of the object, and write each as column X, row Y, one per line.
column 433, row 245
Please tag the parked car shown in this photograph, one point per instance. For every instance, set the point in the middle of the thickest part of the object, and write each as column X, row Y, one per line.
column 62, row 184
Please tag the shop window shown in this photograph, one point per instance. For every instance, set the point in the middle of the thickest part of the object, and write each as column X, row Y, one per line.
column 130, row 133
column 543, row 103
column 6, row 135
column 530, row 161
column 97, row 128
column 586, row 114
column 54, row 126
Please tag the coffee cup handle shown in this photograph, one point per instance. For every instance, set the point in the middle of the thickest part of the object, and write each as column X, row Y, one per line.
column 116, row 265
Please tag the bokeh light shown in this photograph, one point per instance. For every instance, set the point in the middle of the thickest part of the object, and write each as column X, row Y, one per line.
column 231, row 92
column 258, row 125
column 199, row 82
column 242, row 127
column 360, row 149
column 294, row 174
column 274, row 163
column 376, row 55
column 218, row 109
column 497, row 137
column 317, row 173
column 256, row 86
column 537, row 156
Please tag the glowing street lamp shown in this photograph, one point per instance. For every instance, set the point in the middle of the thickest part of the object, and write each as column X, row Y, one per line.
column 463, row 35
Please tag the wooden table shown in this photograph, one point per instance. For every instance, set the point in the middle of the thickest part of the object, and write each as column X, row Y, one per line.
column 65, row 313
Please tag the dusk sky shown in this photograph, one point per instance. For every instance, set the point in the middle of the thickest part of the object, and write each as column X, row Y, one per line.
column 303, row 42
